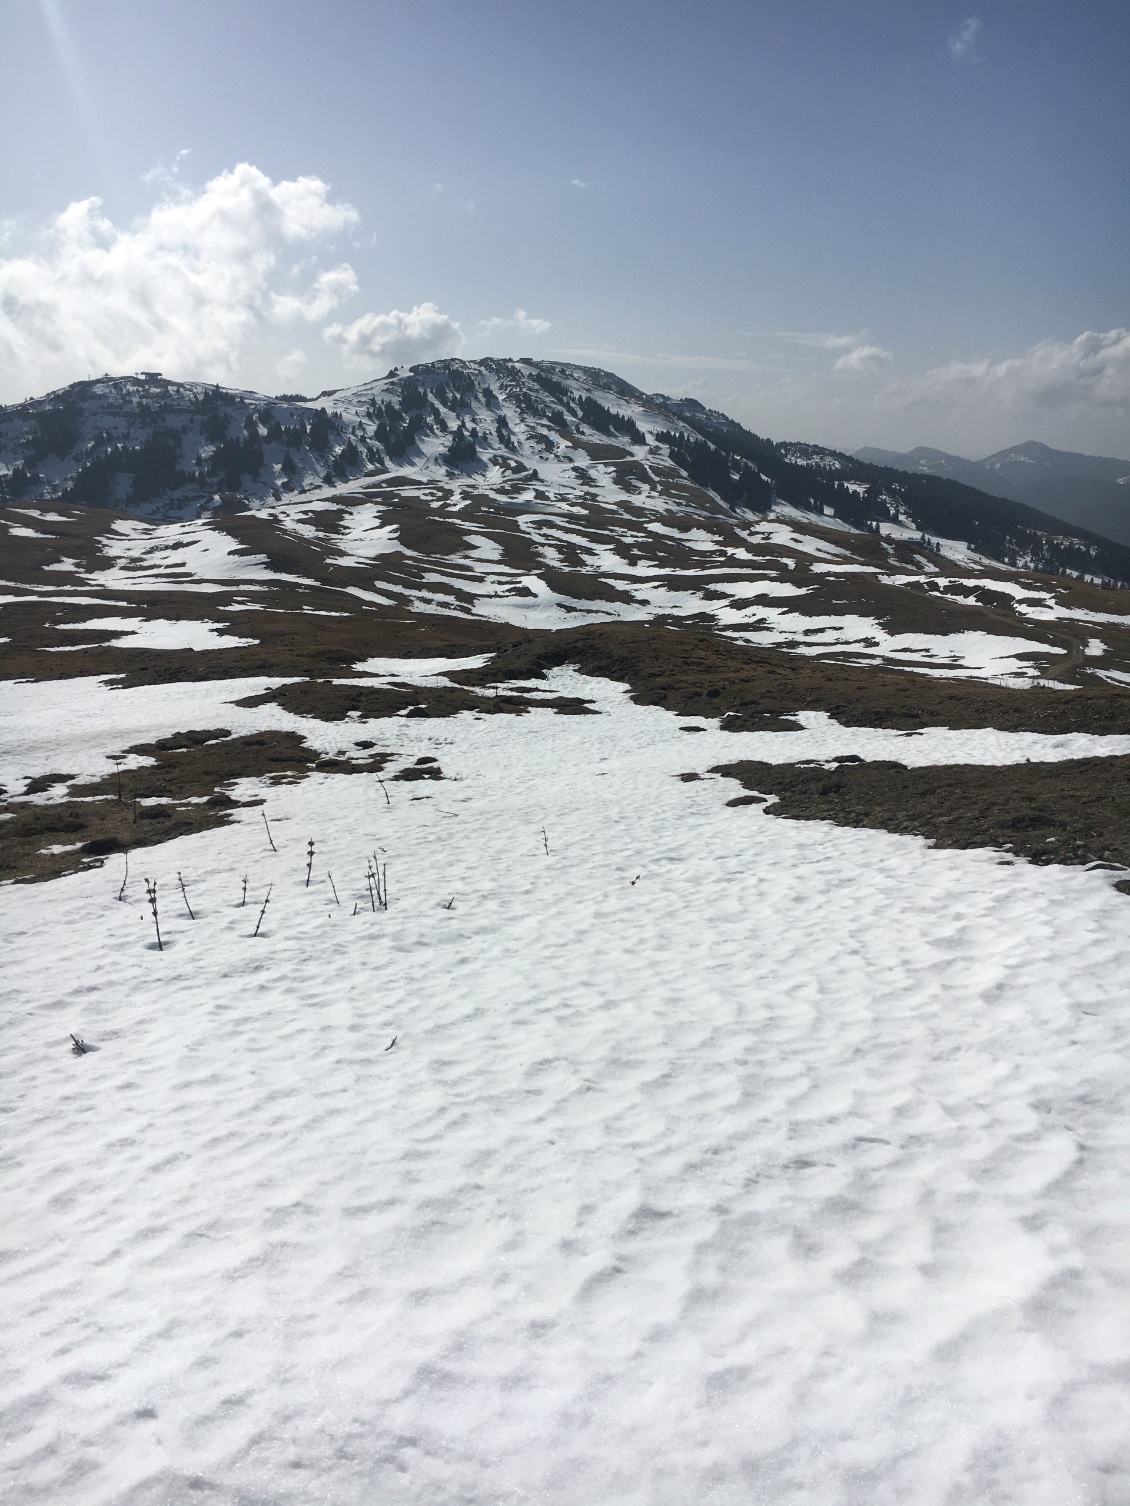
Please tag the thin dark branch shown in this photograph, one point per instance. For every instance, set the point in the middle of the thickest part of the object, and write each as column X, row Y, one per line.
column 151, row 892
column 263, row 911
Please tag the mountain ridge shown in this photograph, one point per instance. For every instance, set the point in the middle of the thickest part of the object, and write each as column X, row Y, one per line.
column 1090, row 491
column 164, row 449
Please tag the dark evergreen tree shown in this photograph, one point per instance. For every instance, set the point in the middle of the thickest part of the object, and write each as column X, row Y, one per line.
column 462, row 449
column 319, row 431
column 214, row 427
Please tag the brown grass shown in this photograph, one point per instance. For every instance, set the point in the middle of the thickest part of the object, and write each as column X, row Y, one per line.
column 1072, row 811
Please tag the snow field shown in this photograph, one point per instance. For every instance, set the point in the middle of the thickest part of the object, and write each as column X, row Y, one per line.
column 150, row 632
column 75, row 725
column 792, row 1172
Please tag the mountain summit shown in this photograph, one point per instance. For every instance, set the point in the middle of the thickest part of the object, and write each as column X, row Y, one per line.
column 166, row 450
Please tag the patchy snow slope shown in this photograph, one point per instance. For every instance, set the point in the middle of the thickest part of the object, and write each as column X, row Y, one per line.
column 719, row 1159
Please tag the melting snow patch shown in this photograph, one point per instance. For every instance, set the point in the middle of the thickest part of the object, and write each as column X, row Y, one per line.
column 406, row 669
column 145, row 632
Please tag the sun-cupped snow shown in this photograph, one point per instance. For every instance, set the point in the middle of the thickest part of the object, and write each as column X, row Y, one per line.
column 640, row 1150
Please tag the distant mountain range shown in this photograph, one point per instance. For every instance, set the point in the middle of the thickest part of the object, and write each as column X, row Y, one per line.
column 1092, row 491
column 543, row 430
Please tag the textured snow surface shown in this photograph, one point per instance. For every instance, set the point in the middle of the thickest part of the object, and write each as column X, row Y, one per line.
column 792, row 1172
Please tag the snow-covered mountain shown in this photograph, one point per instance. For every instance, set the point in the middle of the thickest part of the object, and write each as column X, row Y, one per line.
column 173, row 450
column 159, row 448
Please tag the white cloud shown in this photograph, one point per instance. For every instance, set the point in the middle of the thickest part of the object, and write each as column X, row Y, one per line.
column 864, row 359
column 181, row 290
column 859, row 358
column 397, row 338
column 578, row 183
column 324, row 294
column 818, row 339
column 291, row 364
column 964, row 39
column 667, row 359
column 519, row 321
column 165, row 174
column 1090, row 371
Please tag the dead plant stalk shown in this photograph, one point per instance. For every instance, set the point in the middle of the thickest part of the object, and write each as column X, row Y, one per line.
column 151, row 892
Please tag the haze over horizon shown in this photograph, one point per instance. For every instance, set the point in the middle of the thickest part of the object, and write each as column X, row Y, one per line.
column 885, row 225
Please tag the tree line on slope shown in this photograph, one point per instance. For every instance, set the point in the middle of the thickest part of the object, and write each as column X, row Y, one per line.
column 1011, row 532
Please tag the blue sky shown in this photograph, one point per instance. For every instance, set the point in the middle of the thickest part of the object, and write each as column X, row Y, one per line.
column 887, row 223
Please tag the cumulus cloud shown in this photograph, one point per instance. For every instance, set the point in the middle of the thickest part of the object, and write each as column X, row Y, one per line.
column 964, row 40
column 183, row 289
column 397, row 338
column 864, row 359
column 1092, row 370
column 519, row 321
column 324, row 294
column 859, row 357
column 291, row 365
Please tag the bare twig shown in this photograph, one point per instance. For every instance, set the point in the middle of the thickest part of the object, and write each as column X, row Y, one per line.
column 309, row 860
column 632, row 885
column 545, row 839
column 184, row 896
column 243, row 901
column 333, row 886
column 125, row 879
column 263, row 911
column 376, row 876
column 80, row 1048
column 381, row 782
column 450, row 904
column 270, row 839
column 151, row 892
column 392, row 1043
